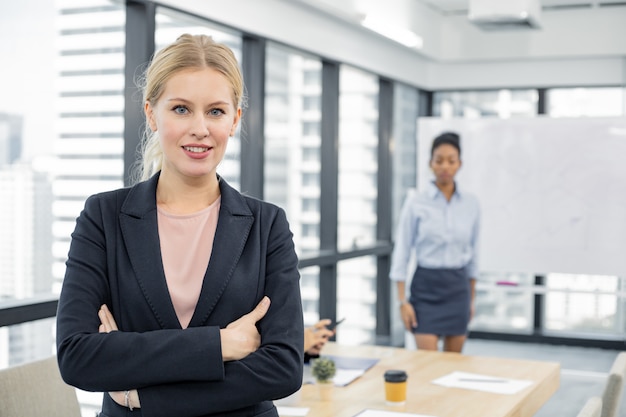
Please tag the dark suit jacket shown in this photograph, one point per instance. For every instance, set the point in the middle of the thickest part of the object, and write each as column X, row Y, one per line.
column 115, row 258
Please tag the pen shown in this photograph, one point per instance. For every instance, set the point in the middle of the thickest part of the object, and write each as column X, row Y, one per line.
column 482, row 380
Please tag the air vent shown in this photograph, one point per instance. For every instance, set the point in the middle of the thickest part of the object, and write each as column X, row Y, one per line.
column 505, row 14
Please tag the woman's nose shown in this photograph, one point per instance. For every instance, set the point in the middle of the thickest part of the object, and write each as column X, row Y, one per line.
column 199, row 127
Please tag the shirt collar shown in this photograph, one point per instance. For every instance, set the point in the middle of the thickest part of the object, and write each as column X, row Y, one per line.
column 433, row 191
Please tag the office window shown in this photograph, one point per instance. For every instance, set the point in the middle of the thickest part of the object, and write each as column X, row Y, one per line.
column 169, row 26
column 356, row 293
column 292, row 140
column 585, row 304
column 586, row 102
column 357, row 198
column 404, row 146
column 358, row 162
column 490, row 103
column 404, row 170
column 310, row 292
column 61, row 128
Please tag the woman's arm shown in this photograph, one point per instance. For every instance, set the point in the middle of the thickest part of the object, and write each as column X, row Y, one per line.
column 239, row 339
column 407, row 312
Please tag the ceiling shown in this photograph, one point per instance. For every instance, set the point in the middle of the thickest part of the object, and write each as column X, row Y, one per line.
column 461, row 6
column 349, row 9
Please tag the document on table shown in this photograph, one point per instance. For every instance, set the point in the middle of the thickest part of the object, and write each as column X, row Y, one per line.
column 292, row 411
column 382, row 413
column 495, row 384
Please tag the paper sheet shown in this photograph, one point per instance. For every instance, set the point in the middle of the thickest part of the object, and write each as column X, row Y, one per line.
column 495, row 384
column 381, row 413
column 292, row 411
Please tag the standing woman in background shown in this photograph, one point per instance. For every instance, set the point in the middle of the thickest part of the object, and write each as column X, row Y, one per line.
column 181, row 296
column 440, row 225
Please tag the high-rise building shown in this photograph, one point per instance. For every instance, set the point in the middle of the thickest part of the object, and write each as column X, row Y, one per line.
column 89, row 145
column 25, row 256
column 10, row 138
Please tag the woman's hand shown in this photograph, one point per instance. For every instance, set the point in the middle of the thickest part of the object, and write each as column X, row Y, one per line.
column 108, row 325
column 241, row 337
column 107, row 322
column 407, row 313
column 316, row 337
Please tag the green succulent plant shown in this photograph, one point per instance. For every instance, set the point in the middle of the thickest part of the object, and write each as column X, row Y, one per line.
column 323, row 369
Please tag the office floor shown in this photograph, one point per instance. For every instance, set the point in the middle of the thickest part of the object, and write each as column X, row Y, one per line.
column 583, row 371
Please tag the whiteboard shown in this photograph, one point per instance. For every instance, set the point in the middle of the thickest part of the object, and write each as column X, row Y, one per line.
column 552, row 191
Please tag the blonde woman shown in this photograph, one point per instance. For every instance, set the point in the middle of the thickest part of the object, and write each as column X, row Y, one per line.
column 181, row 296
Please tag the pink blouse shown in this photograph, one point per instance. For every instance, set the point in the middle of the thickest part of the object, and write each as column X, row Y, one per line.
column 186, row 245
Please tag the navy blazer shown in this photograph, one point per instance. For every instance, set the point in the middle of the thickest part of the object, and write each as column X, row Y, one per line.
column 115, row 259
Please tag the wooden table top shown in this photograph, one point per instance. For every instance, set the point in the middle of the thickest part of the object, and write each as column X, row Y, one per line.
column 424, row 397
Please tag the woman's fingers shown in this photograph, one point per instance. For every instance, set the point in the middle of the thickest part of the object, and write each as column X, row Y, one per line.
column 260, row 310
column 255, row 315
column 107, row 322
column 322, row 324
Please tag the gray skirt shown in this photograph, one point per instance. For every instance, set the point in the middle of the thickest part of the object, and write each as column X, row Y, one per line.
column 441, row 299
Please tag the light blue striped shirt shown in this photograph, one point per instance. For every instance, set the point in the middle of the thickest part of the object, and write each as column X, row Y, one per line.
column 439, row 233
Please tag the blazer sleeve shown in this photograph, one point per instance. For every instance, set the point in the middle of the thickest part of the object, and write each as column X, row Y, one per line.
column 274, row 370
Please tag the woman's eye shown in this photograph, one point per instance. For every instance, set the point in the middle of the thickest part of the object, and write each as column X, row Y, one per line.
column 216, row 112
column 180, row 109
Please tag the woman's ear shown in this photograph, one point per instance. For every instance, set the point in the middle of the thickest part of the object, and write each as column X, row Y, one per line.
column 149, row 112
column 236, row 120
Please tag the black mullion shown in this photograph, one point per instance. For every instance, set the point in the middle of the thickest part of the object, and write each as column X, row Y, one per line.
column 329, row 186
column 140, row 45
column 385, row 186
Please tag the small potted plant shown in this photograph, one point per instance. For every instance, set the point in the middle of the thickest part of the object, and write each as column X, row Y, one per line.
column 323, row 370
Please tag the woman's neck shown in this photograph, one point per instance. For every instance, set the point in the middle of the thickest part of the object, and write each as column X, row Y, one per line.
column 178, row 196
column 446, row 189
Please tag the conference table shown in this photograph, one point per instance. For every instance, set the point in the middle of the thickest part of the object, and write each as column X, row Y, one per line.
column 426, row 398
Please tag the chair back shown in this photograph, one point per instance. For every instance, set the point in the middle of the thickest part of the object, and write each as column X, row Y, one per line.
column 592, row 408
column 612, row 394
column 36, row 389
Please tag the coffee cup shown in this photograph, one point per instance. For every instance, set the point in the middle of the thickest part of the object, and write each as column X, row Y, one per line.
column 395, row 387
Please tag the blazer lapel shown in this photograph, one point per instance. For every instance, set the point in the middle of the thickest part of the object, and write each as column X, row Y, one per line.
column 233, row 227
column 138, row 221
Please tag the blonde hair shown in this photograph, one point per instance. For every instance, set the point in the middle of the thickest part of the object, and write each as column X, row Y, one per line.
column 188, row 51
